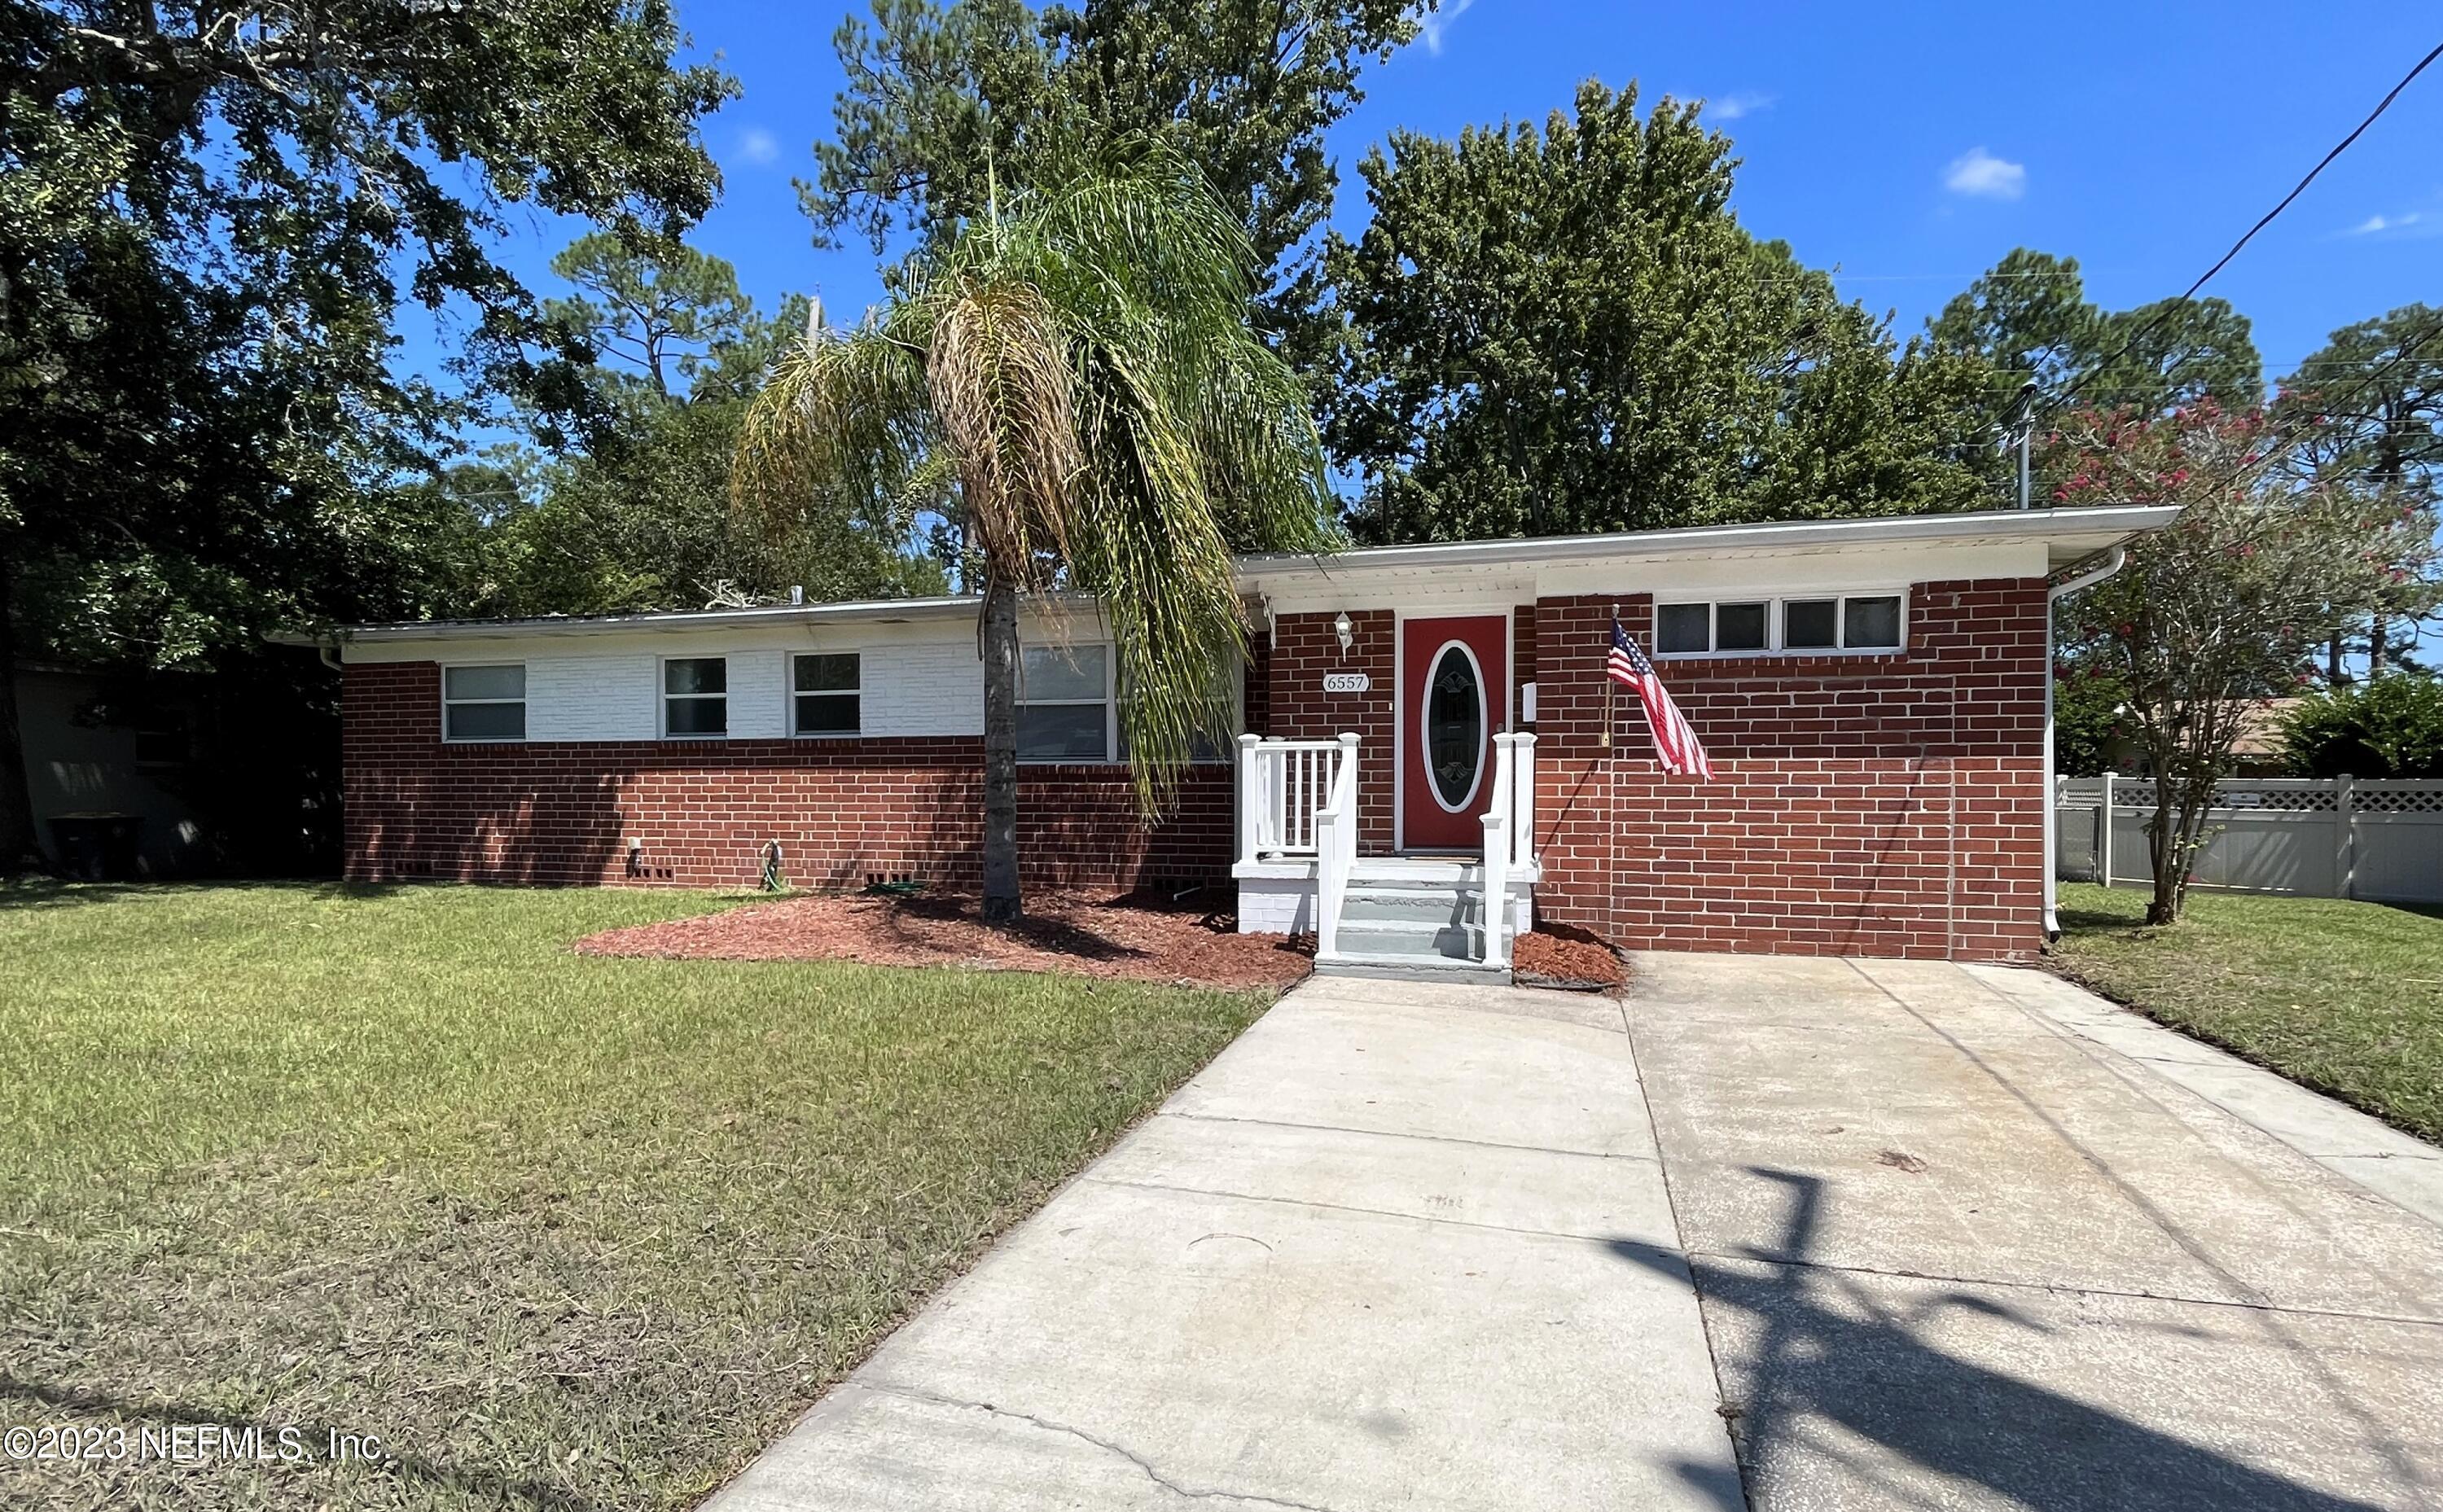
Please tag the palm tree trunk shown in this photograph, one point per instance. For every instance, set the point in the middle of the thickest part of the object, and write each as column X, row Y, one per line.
column 1002, row 903
column 18, row 851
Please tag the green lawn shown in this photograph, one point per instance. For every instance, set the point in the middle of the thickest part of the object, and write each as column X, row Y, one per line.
column 559, row 1231
column 2345, row 998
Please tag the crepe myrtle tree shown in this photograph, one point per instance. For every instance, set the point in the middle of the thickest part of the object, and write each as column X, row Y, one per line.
column 2230, row 603
column 1074, row 375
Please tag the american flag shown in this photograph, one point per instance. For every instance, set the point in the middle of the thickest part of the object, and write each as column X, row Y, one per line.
column 1674, row 744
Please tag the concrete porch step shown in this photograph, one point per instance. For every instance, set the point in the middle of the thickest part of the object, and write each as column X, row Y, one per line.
column 1369, row 903
column 1409, row 967
column 1423, row 939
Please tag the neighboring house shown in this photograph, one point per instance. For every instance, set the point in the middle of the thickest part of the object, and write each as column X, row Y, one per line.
column 2258, row 750
column 109, row 765
column 1873, row 693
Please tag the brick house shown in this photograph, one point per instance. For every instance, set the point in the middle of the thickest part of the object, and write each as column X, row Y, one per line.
column 1425, row 728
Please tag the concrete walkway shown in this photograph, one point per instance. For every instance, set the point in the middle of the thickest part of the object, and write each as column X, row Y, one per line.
column 1397, row 1246
column 1922, row 1235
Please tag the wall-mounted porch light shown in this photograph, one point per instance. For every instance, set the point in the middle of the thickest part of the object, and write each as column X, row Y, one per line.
column 1341, row 627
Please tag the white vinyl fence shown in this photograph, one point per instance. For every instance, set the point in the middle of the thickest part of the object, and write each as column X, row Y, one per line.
column 2336, row 837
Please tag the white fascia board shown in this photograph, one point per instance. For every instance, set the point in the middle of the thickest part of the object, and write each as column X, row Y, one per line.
column 808, row 628
column 2061, row 535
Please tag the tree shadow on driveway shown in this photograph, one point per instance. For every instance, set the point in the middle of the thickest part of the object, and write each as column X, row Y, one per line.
column 1828, row 1352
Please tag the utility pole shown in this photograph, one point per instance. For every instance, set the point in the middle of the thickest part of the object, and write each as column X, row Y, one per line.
column 2020, row 430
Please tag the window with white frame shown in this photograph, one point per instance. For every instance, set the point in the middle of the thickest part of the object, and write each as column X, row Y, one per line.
column 695, row 696
column 1065, row 703
column 483, row 703
column 1831, row 621
column 824, row 693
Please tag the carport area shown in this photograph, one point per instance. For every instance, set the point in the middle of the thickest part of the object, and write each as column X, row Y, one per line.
column 1788, row 1235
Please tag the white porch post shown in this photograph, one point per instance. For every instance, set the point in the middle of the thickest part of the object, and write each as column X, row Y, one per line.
column 1522, row 843
column 1251, row 799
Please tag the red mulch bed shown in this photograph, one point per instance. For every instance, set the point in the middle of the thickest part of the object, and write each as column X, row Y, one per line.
column 1559, row 955
column 1086, row 934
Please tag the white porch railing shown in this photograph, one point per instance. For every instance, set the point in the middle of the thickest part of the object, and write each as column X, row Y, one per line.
column 1509, row 836
column 1283, row 786
column 1298, row 799
column 1335, row 827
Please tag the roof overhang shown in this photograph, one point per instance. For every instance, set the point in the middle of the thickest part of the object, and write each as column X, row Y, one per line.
column 2066, row 535
column 871, row 611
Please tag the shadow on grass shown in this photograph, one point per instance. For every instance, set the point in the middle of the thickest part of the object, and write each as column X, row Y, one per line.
column 1830, row 1352
column 49, row 892
column 484, row 1484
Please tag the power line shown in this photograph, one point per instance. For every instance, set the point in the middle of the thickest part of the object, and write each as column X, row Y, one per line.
column 2262, row 222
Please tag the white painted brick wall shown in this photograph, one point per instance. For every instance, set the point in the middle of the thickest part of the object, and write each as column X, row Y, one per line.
column 910, row 689
column 758, row 695
column 918, row 688
column 592, row 697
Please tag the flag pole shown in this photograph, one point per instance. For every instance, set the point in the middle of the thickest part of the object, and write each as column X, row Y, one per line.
column 1612, row 689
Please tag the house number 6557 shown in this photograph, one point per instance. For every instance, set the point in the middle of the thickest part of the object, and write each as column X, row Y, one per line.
column 1347, row 682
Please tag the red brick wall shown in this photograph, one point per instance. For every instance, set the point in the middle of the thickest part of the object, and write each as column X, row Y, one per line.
column 844, row 812
column 1303, row 648
column 1865, row 806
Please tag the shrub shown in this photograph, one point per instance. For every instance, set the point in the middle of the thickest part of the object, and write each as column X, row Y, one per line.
column 2388, row 727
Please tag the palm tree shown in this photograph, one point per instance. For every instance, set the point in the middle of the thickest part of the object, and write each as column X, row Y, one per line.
column 1079, row 369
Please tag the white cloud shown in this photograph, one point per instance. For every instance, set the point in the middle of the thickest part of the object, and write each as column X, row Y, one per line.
column 759, row 146
column 1731, row 107
column 2375, row 224
column 1432, row 24
column 1981, row 174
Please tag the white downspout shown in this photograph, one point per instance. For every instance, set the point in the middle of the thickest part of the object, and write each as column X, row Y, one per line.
column 2114, row 560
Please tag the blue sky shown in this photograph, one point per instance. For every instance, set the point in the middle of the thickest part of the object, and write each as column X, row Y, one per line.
column 1909, row 146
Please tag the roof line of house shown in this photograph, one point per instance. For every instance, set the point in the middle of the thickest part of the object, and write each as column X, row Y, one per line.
column 2108, row 523
column 2081, row 531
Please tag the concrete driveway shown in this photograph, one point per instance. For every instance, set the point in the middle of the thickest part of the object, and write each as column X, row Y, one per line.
column 1916, row 1235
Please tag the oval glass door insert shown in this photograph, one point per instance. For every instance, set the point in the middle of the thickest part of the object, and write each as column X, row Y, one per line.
column 1454, row 727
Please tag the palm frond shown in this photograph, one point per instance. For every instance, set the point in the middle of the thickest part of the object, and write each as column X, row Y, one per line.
column 1000, row 382
column 1083, row 363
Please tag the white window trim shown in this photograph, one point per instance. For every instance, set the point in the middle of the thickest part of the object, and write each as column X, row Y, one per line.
column 791, row 693
column 1110, row 701
column 525, row 673
column 1775, row 610
column 663, row 695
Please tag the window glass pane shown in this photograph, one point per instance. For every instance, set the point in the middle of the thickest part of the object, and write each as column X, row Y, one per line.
column 1739, row 627
column 699, row 716
column 827, row 673
column 486, row 721
column 827, row 712
column 1060, row 731
column 696, row 674
column 1873, row 621
column 1062, row 672
column 1681, row 628
column 483, row 682
column 1809, row 623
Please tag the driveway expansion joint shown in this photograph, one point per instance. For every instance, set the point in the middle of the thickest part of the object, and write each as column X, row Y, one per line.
column 1431, row 1138
column 1314, row 1205
column 1121, row 1450
column 2063, row 1288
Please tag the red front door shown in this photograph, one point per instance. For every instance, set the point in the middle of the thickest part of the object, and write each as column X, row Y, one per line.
column 1453, row 697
